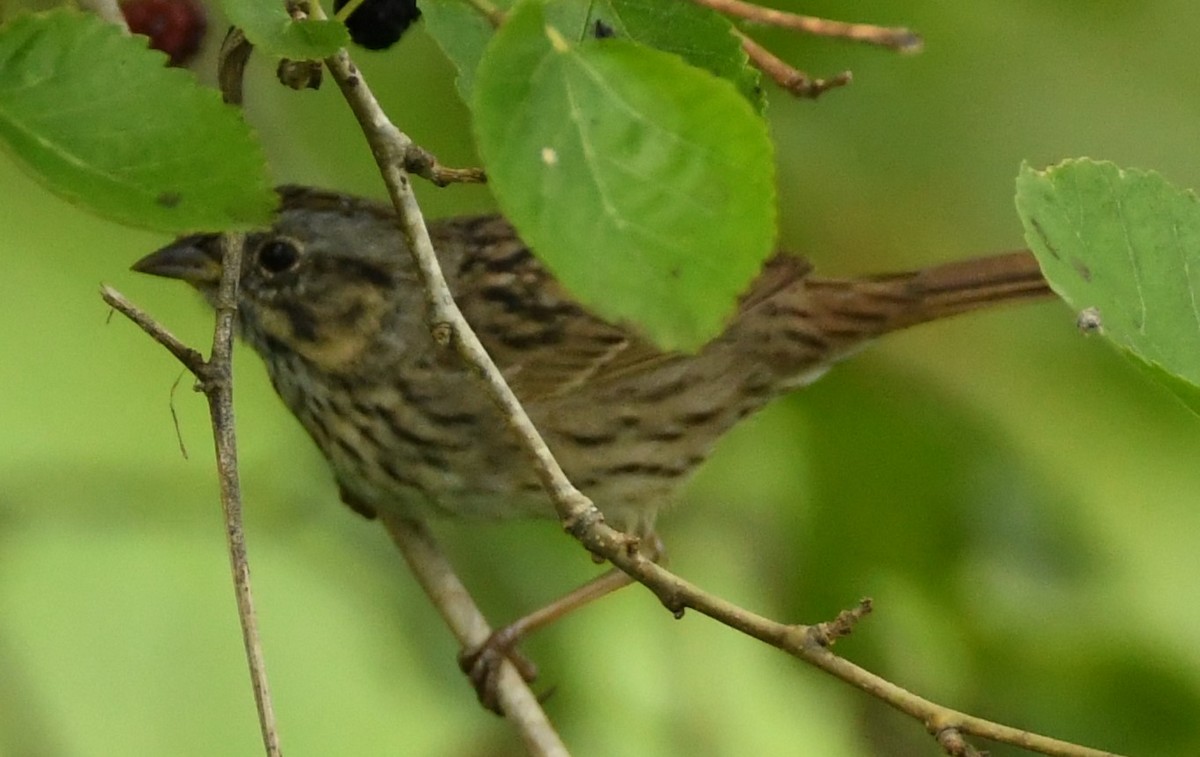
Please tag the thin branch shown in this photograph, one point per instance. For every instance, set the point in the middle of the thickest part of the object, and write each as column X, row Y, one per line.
column 191, row 359
column 436, row 576
column 175, row 416
column 218, row 388
column 953, row 744
column 810, row 644
column 895, row 38
column 579, row 516
column 390, row 146
column 788, row 77
column 215, row 378
column 843, row 625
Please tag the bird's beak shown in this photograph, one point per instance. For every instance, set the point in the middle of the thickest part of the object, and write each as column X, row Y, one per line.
column 195, row 259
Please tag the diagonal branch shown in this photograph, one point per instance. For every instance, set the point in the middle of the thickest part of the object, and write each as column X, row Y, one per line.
column 895, row 38
column 579, row 515
column 437, row 577
column 218, row 389
column 390, row 146
column 191, row 359
column 788, row 77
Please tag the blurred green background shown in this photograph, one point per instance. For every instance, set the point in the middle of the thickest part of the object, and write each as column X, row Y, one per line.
column 1021, row 505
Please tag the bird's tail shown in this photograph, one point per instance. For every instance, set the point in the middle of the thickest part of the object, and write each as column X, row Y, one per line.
column 795, row 325
column 949, row 289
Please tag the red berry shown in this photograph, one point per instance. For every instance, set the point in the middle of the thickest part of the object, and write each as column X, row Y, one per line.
column 174, row 26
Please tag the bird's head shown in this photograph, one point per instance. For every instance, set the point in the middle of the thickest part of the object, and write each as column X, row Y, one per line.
column 321, row 282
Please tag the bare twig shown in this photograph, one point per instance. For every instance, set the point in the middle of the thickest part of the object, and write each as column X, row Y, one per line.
column 843, row 625
column 454, row 603
column 786, row 76
column 390, row 147
column 191, row 359
column 218, row 388
column 420, row 161
column 215, row 379
column 175, row 416
column 953, row 744
column 895, row 38
column 580, row 517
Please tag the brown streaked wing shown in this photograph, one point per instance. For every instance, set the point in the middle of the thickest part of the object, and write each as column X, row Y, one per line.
column 544, row 342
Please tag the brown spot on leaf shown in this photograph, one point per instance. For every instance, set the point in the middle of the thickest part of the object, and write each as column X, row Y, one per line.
column 1041, row 232
column 1081, row 268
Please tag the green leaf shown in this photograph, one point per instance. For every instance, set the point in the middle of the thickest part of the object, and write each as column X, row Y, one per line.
column 646, row 184
column 1126, row 244
column 100, row 119
column 701, row 36
column 268, row 25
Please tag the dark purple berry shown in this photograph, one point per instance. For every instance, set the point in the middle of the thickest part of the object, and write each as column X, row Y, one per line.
column 378, row 24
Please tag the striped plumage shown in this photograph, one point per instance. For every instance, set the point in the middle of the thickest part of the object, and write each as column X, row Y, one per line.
column 330, row 301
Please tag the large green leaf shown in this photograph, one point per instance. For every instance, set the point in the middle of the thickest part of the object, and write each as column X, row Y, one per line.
column 646, row 184
column 100, row 119
column 269, row 26
column 1124, row 246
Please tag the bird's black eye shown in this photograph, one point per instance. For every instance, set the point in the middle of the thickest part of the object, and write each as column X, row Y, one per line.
column 278, row 255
